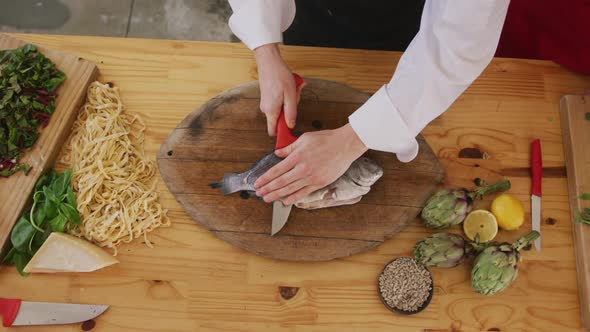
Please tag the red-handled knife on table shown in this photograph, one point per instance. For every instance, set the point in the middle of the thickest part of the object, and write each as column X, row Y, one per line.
column 537, row 175
column 16, row 312
column 280, row 212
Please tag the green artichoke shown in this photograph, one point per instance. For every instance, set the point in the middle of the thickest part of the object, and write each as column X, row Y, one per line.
column 442, row 250
column 449, row 207
column 496, row 267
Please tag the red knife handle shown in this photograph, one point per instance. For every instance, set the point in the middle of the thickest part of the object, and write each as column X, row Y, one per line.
column 536, row 167
column 8, row 310
column 284, row 135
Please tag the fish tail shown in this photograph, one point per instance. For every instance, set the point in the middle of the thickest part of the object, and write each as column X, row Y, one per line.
column 216, row 185
column 227, row 185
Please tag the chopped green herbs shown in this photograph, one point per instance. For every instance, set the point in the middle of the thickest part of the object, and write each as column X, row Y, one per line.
column 584, row 215
column 54, row 206
column 28, row 81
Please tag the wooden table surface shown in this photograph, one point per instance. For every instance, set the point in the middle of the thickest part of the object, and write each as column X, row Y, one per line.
column 192, row 281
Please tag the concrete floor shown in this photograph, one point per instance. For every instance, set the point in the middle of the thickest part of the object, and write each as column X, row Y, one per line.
column 164, row 19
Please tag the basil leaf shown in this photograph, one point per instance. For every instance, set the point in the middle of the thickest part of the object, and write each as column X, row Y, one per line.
column 20, row 260
column 58, row 223
column 21, row 234
column 39, row 238
column 50, row 209
column 62, row 183
column 39, row 215
column 70, row 213
column 50, row 194
column 71, row 198
column 9, row 258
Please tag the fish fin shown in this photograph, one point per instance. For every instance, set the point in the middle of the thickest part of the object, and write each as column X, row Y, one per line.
column 216, row 185
column 228, row 185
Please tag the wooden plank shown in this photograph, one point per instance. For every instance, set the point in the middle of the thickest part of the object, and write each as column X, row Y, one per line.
column 227, row 134
column 193, row 281
column 15, row 190
column 576, row 139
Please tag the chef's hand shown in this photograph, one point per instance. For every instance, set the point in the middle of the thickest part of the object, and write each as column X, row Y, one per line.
column 277, row 87
column 314, row 161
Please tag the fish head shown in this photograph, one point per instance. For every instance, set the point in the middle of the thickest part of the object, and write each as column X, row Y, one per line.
column 365, row 171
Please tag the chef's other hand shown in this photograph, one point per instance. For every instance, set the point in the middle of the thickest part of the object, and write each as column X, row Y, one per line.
column 314, row 161
column 277, row 87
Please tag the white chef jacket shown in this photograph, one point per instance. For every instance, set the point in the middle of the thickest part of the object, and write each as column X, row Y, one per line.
column 456, row 41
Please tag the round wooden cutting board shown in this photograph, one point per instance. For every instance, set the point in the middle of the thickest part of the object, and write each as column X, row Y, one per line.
column 228, row 134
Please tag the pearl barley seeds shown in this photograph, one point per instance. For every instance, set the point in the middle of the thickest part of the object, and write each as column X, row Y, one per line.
column 405, row 284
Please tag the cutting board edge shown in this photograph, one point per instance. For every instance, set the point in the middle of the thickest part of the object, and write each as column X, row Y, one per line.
column 579, row 232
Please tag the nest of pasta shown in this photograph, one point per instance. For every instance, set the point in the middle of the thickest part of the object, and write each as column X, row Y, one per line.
column 113, row 180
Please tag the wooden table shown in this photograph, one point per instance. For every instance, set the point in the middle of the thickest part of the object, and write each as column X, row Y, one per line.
column 193, row 281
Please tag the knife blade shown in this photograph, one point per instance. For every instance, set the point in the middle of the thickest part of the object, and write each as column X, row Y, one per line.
column 280, row 216
column 280, row 212
column 16, row 312
column 537, row 175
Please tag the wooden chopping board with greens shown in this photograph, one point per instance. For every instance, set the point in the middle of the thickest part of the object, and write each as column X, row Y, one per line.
column 575, row 123
column 40, row 93
column 227, row 134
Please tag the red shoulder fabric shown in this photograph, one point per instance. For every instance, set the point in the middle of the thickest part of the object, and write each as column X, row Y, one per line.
column 548, row 30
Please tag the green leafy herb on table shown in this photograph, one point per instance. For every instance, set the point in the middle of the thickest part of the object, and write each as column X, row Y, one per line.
column 584, row 215
column 53, row 207
column 28, row 81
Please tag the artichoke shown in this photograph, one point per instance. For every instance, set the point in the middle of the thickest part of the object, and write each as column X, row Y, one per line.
column 496, row 267
column 442, row 250
column 449, row 207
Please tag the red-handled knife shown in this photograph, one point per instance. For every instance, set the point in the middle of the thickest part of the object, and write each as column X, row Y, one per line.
column 280, row 212
column 16, row 312
column 284, row 135
column 537, row 176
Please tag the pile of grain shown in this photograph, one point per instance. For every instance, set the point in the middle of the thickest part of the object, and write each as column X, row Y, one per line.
column 405, row 284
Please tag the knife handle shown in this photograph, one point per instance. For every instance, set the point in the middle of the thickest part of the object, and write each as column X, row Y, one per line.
column 536, row 167
column 8, row 310
column 284, row 135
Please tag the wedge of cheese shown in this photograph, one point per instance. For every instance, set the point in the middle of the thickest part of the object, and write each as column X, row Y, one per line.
column 66, row 253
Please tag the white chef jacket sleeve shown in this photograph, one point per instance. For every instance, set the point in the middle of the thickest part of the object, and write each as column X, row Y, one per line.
column 261, row 22
column 456, row 41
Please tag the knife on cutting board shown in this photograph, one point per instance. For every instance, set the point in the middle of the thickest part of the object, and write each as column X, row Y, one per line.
column 280, row 211
column 537, row 176
column 16, row 312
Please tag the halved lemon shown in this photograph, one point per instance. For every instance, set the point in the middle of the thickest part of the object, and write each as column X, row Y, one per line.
column 482, row 223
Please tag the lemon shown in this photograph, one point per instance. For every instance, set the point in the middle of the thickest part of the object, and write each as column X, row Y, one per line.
column 480, row 222
column 508, row 211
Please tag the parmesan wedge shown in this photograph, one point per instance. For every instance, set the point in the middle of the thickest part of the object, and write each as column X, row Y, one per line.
column 66, row 253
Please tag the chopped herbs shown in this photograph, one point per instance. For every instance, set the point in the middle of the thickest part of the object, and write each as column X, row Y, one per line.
column 584, row 215
column 53, row 208
column 28, row 81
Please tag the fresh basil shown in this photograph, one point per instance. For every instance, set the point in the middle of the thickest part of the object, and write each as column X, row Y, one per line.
column 52, row 210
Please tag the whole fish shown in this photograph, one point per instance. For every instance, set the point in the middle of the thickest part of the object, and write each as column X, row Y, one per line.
column 347, row 189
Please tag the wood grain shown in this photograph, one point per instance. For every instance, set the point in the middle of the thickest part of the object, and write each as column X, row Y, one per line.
column 227, row 134
column 15, row 190
column 193, row 281
column 576, row 134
